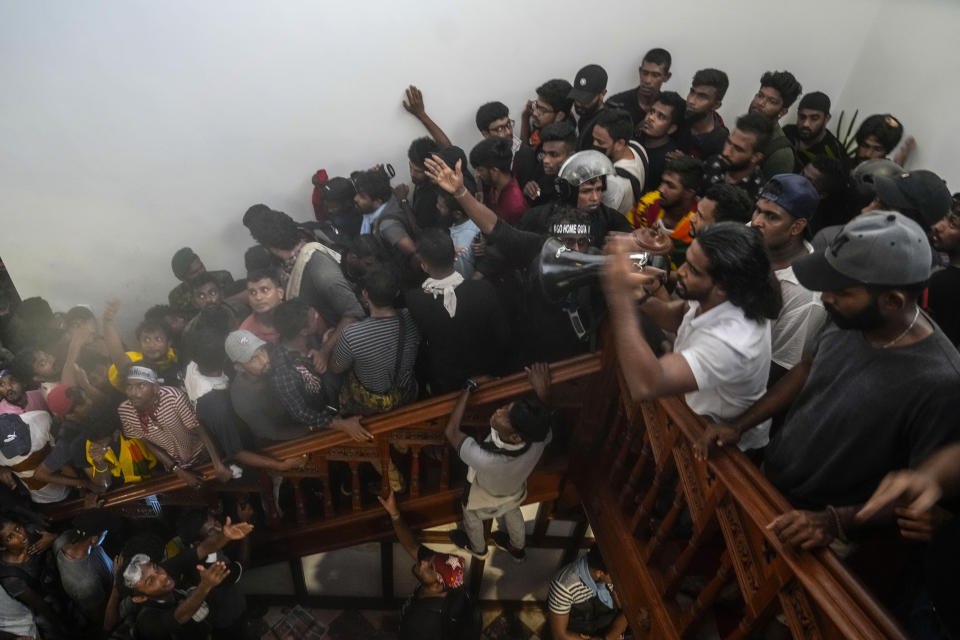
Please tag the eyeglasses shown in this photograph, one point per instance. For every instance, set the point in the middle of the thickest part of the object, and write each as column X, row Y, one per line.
column 539, row 108
column 503, row 128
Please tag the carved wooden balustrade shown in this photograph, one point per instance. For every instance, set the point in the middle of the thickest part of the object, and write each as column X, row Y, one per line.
column 411, row 436
column 686, row 540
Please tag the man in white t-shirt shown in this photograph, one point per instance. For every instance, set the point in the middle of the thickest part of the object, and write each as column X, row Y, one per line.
column 783, row 210
column 500, row 465
column 721, row 358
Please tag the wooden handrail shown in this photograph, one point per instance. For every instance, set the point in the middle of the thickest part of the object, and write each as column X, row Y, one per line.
column 645, row 448
column 415, row 414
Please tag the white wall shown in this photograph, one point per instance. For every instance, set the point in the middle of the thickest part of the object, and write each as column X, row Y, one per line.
column 131, row 128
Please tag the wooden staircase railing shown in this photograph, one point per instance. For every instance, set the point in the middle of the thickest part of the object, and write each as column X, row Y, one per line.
column 684, row 537
column 405, row 432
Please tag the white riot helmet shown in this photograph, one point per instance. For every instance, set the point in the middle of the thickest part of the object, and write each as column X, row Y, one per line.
column 581, row 167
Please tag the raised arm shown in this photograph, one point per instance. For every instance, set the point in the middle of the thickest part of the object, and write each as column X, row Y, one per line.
column 451, row 181
column 453, row 433
column 404, row 535
column 414, row 105
column 646, row 375
column 111, row 338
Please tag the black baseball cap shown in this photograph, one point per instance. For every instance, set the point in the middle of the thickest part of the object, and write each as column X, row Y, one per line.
column 921, row 191
column 590, row 81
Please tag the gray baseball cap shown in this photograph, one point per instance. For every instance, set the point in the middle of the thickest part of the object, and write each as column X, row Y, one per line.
column 241, row 345
column 879, row 247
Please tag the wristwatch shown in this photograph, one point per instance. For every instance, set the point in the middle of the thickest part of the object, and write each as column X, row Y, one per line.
column 471, row 385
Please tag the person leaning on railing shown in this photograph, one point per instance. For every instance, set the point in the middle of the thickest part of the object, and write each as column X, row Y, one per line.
column 728, row 297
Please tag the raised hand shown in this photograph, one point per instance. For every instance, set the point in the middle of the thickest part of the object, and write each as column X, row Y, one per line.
column 539, row 375
column 236, row 531
column 212, row 575
column 389, row 504
column 450, row 180
column 414, row 102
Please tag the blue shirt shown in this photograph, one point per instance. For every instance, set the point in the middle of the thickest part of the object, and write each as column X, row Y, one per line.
column 368, row 219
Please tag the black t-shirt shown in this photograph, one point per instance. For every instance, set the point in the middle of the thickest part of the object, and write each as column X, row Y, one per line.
column 470, row 343
column 944, row 301
column 627, row 100
column 526, row 165
column 703, row 145
column 421, row 618
column 424, row 205
column 603, row 221
column 585, row 131
column 862, row 413
column 829, row 147
column 656, row 161
column 223, row 606
column 215, row 412
column 72, row 452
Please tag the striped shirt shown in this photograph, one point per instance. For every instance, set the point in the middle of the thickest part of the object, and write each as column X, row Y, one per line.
column 171, row 425
column 566, row 590
column 370, row 348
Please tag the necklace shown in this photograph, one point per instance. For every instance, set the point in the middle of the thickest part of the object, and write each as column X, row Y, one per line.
column 905, row 331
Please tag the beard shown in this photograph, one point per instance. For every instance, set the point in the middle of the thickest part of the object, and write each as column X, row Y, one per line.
column 867, row 319
column 806, row 135
column 690, row 116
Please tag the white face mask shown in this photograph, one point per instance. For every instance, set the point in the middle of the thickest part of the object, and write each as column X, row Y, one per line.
column 495, row 438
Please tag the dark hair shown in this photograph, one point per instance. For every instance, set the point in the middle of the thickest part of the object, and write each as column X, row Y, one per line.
column 366, row 245
column 489, row 113
column 22, row 366
column 435, row 248
column 833, row 172
column 658, row 56
column 258, row 257
column 102, row 421
column 254, row 214
column 159, row 313
column 190, row 525
column 595, row 560
column 207, row 348
column 204, row 278
column 732, row 203
column 373, row 184
column 712, row 78
column 340, row 189
column 78, row 315
column 784, row 83
column 562, row 131
column 689, row 170
column 531, row 418
column 89, row 358
column 570, row 215
column 265, row 274
column 274, row 230
column 677, row 104
column 153, row 326
column 492, row 153
column 381, row 284
column 757, row 124
column 912, row 291
column 556, row 93
column 421, row 149
column 290, row 317
column 617, row 123
column 884, row 127
column 739, row 264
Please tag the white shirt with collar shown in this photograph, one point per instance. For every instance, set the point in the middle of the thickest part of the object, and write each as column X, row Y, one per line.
column 729, row 355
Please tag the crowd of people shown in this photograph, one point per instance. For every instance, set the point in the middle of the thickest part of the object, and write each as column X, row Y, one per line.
column 805, row 301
